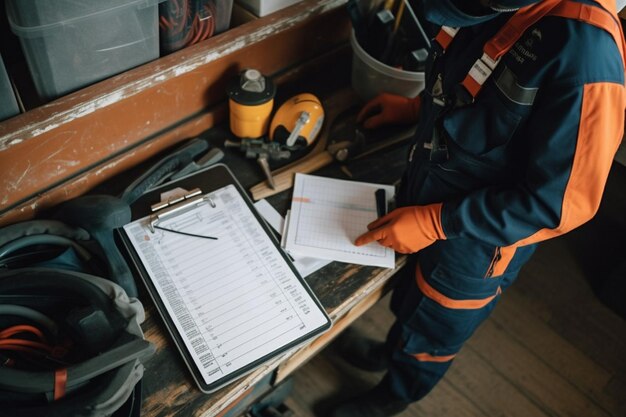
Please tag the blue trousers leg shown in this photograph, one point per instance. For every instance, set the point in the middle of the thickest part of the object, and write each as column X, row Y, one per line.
column 435, row 316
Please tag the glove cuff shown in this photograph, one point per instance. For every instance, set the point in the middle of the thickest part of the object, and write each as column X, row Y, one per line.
column 429, row 220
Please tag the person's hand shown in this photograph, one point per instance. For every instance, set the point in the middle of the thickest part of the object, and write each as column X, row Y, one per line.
column 406, row 229
column 386, row 109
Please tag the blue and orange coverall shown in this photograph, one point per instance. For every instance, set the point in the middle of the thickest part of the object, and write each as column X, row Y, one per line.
column 525, row 161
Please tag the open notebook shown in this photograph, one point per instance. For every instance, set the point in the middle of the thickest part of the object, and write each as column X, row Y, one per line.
column 328, row 214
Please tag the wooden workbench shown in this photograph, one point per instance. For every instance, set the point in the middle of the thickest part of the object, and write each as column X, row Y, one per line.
column 346, row 291
column 81, row 142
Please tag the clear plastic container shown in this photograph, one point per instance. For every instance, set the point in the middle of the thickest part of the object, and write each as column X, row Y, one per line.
column 8, row 103
column 371, row 77
column 186, row 22
column 71, row 44
column 264, row 7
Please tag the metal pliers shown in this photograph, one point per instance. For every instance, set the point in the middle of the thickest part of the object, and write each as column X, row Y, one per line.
column 263, row 151
column 183, row 161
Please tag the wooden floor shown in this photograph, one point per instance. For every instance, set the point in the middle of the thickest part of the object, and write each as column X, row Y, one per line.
column 551, row 347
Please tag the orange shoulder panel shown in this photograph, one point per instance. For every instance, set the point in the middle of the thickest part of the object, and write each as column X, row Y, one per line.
column 599, row 135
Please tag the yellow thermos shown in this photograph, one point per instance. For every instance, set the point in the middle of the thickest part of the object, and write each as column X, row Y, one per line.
column 251, row 99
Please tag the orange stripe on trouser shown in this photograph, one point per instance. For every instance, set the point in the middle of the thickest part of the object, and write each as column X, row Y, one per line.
column 447, row 302
column 425, row 357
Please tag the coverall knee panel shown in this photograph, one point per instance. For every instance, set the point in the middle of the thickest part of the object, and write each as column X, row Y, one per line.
column 431, row 330
column 447, row 309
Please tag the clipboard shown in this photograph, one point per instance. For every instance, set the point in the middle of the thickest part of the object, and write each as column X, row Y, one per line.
column 227, row 293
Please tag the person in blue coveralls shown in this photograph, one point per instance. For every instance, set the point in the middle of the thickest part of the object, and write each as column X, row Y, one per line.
column 517, row 127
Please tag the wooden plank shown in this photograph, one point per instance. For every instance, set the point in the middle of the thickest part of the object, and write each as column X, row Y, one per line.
column 93, row 127
column 616, row 389
column 577, row 315
column 529, row 374
column 488, row 387
column 448, row 400
column 52, row 193
column 513, row 315
column 328, row 379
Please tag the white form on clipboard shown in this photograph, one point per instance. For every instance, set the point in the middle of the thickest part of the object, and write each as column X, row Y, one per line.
column 235, row 300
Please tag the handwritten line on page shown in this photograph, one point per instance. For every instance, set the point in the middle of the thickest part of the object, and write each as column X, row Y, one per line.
column 327, row 215
column 234, row 300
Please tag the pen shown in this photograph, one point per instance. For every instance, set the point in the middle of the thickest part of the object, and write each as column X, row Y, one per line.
column 381, row 202
column 356, row 18
column 417, row 23
column 379, row 33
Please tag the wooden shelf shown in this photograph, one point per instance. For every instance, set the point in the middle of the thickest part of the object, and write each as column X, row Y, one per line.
column 64, row 148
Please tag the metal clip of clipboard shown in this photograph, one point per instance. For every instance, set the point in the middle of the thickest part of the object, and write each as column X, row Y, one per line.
column 173, row 207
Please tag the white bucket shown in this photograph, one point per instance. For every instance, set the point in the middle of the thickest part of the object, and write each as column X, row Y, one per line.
column 371, row 77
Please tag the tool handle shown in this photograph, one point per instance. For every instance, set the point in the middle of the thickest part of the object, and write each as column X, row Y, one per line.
column 284, row 180
column 318, row 157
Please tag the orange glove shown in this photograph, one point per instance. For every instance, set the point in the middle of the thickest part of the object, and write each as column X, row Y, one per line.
column 406, row 229
column 386, row 109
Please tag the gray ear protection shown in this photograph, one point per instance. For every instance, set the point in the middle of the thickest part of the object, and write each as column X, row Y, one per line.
column 28, row 234
column 18, row 235
column 84, row 326
column 72, row 305
column 44, row 309
column 100, row 215
column 86, row 218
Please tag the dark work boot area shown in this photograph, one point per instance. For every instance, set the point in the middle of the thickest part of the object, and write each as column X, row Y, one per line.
column 378, row 402
column 365, row 353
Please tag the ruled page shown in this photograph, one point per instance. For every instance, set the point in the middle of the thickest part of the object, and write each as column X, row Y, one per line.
column 234, row 299
column 305, row 265
column 327, row 215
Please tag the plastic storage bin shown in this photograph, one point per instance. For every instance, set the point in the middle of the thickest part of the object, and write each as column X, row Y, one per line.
column 264, row 7
column 70, row 44
column 8, row 103
column 186, row 22
column 371, row 77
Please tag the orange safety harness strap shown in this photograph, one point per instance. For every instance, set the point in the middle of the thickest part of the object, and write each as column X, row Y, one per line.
column 445, row 36
column 510, row 33
column 502, row 42
column 594, row 16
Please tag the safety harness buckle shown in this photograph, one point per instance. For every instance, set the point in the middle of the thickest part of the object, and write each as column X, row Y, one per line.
column 438, row 149
column 479, row 73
